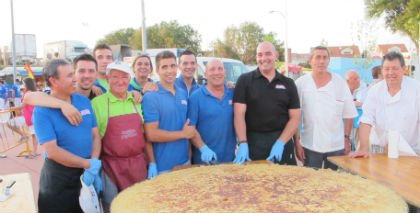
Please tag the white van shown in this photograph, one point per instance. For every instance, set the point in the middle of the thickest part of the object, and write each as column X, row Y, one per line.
column 234, row 68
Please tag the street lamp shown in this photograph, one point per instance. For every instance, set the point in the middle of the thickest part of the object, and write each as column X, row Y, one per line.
column 143, row 28
column 13, row 43
column 286, row 50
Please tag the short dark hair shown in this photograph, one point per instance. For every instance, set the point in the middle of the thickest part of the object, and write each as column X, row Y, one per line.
column 319, row 48
column 392, row 56
column 376, row 71
column 17, row 80
column 164, row 55
column 29, row 84
column 51, row 69
column 85, row 57
column 99, row 47
column 187, row 52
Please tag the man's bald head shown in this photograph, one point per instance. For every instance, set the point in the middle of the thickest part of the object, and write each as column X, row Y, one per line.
column 353, row 80
column 214, row 62
column 266, row 45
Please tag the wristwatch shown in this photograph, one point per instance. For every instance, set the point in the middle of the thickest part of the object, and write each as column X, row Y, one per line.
column 241, row 142
column 347, row 136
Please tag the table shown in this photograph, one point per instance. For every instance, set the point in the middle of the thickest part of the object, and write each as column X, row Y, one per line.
column 22, row 199
column 401, row 174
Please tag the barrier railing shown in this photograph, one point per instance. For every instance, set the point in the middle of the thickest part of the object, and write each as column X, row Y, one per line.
column 11, row 139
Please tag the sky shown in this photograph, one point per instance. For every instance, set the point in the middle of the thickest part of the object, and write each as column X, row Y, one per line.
column 309, row 21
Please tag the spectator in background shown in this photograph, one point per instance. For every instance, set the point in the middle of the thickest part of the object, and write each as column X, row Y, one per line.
column 377, row 76
column 143, row 68
column 16, row 94
column 4, row 94
column 39, row 86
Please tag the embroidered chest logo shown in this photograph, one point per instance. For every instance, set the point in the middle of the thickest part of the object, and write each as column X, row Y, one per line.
column 85, row 112
column 129, row 133
column 230, row 102
column 184, row 102
column 280, row 86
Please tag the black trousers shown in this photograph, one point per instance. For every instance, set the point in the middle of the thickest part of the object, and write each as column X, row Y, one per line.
column 59, row 188
column 316, row 159
column 260, row 144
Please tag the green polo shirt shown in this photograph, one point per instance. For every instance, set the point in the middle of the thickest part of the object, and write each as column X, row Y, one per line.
column 117, row 107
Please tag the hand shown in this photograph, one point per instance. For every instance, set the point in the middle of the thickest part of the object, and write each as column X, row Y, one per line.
column 97, row 90
column 207, row 154
column 152, row 171
column 230, row 84
column 277, row 151
column 242, row 154
column 95, row 166
column 88, row 178
column 359, row 153
column 347, row 146
column 137, row 97
column 300, row 152
column 150, row 87
column 188, row 130
column 97, row 184
column 71, row 113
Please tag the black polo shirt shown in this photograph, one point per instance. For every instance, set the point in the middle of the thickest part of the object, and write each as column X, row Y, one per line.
column 268, row 103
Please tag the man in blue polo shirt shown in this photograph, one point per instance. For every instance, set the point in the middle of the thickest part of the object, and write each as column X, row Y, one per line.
column 4, row 94
column 210, row 110
column 187, row 65
column 165, row 116
column 16, row 94
column 70, row 150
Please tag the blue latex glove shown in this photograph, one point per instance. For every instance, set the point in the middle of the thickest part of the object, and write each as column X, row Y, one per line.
column 152, row 170
column 97, row 183
column 277, row 151
column 242, row 154
column 92, row 171
column 207, row 154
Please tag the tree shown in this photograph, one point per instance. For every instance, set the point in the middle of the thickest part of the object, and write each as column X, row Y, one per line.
column 400, row 15
column 164, row 35
column 241, row 42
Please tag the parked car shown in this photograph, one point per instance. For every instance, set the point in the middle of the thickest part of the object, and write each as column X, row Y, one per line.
column 234, row 69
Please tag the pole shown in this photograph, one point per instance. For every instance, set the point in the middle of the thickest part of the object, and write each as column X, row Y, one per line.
column 143, row 28
column 13, row 43
column 287, row 48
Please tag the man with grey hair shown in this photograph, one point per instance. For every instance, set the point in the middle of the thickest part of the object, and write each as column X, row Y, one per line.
column 391, row 105
column 266, row 110
column 210, row 110
column 70, row 151
column 325, row 101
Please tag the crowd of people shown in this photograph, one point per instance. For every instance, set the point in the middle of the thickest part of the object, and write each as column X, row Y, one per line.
column 115, row 130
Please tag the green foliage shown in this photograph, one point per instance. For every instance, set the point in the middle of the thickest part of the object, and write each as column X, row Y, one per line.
column 400, row 15
column 241, row 42
column 164, row 35
column 305, row 64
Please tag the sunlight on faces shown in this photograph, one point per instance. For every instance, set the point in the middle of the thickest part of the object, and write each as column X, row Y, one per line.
column 85, row 74
column 266, row 56
column 319, row 61
column 65, row 83
column 118, row 82
column 392, row 71
column 215, row 73
column 188, row 65
column 142, row 68
column 103, row 58
column 167, row 70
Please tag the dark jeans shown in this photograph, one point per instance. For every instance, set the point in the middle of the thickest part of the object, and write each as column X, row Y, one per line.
column 59, row 188
column 260, row 144
column 315, row 159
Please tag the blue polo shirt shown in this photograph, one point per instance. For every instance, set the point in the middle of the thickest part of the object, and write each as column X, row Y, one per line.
column 16, row 88
column 213, row 119
column 135, row 86
column 171, row 113
column 103, row 84
column 180, row 83
column 5, row 89
column 50, row 124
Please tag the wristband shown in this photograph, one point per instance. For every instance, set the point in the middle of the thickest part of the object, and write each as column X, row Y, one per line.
column 241, row 142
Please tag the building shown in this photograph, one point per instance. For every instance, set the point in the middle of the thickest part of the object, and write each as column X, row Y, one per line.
column 68, row 49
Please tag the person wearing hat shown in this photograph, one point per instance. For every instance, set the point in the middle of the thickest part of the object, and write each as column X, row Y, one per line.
column 120, row 125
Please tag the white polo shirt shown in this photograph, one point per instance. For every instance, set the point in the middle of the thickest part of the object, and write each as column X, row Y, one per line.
column 323, row 111
column 400, row 112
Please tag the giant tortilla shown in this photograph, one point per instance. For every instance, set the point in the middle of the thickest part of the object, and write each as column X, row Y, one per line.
column 257, row 188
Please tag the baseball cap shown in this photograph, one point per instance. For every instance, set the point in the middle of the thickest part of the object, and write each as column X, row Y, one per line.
column 118, row 65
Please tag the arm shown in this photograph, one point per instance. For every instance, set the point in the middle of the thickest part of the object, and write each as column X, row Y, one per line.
column 64, row 157
column 97, row 90
column 363, row 150
column 291, row 126
column 300, row 153
column 348, row 124
column 149, row 152
column 154, row 134
column 197, row 141
column 149, row 87
column 12, row 94
column 96, row 146
column 41, row 99
column 137, row 96
column 239, row 120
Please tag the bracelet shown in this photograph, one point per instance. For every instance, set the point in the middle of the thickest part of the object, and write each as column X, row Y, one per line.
column 241, row 142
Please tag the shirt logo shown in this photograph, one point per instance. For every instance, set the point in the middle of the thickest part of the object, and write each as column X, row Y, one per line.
column 280, row 86
column 230, row 101
column 85, row 112
column 184, row 102
column 128, row 134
